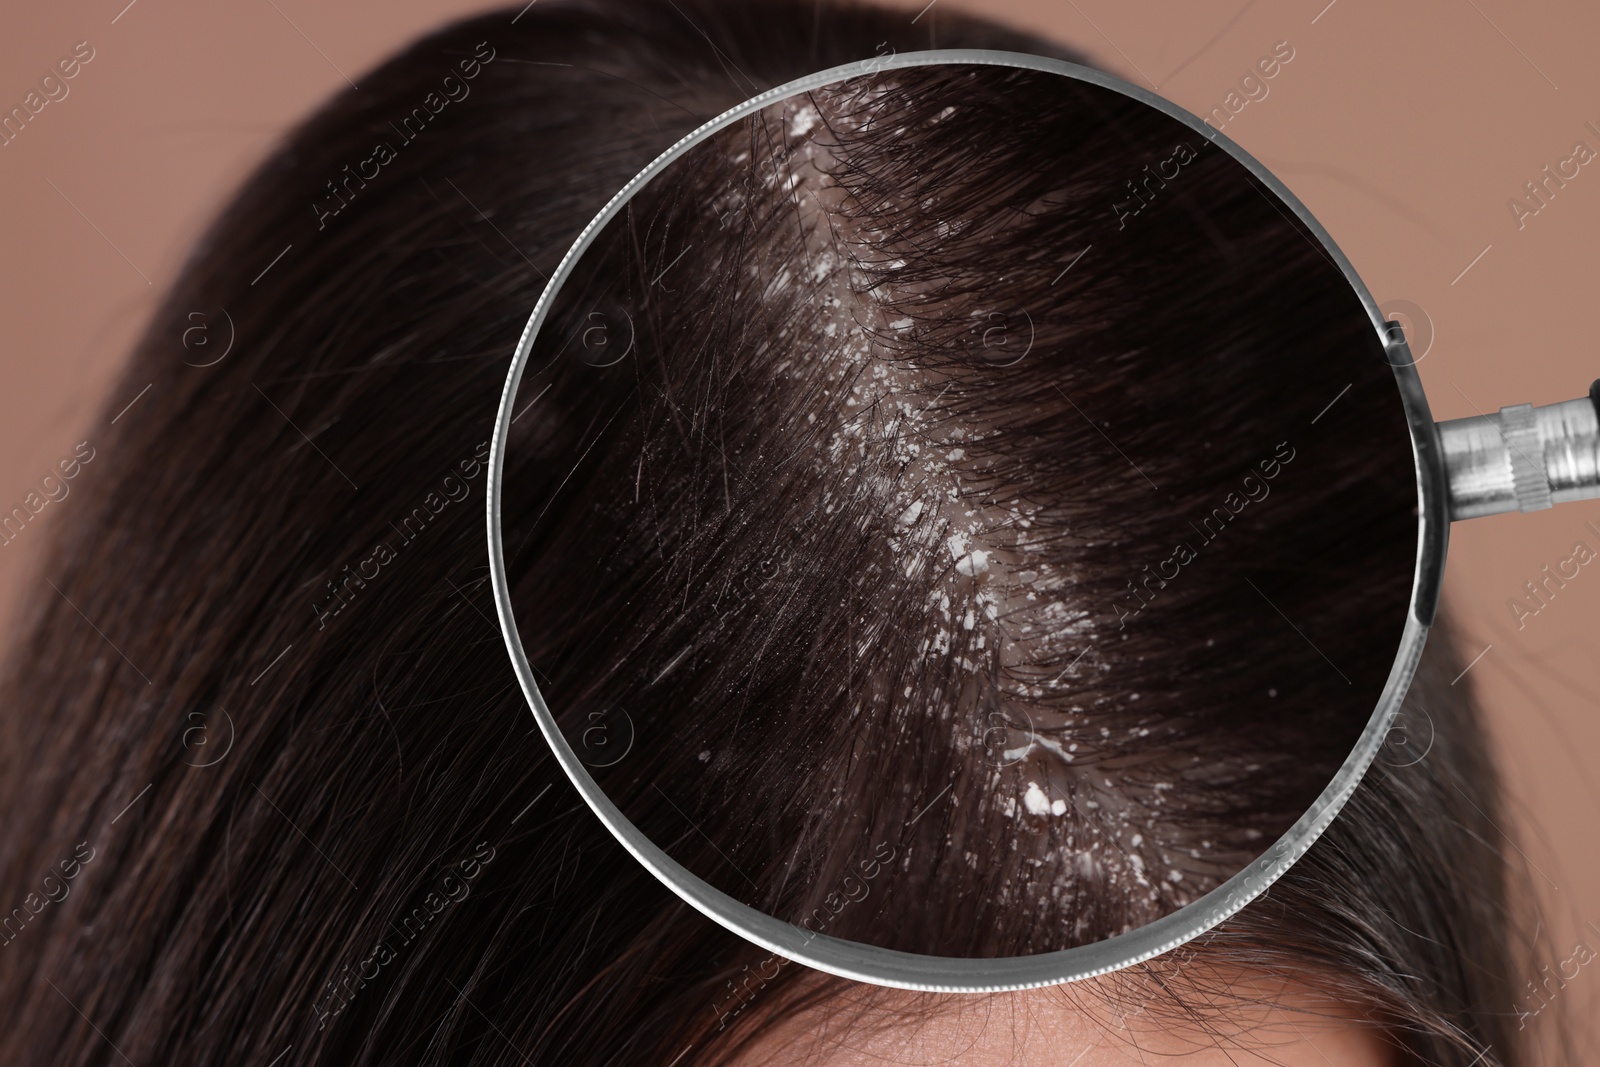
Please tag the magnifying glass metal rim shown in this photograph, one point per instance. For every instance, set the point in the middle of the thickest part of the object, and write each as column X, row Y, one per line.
column 906, row 970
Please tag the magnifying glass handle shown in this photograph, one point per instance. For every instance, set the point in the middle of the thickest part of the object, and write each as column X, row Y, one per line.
column 1523, row 458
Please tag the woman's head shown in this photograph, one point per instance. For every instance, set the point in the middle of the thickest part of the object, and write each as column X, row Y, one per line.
column 386, row 866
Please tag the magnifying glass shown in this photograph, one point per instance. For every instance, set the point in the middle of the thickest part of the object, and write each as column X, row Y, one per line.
column 986, row 483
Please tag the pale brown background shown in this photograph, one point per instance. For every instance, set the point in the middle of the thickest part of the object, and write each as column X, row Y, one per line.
column 1405, row 128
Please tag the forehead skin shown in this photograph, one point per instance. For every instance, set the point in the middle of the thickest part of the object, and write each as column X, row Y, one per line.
column 1063, row 1027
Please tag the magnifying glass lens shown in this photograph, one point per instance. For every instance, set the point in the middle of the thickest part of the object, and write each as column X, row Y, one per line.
column 961, row 510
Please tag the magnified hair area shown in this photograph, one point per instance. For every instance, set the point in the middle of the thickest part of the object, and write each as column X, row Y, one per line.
column 952, row 526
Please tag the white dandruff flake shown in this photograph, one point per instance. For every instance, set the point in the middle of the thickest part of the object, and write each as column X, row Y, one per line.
column 803, row 122
column 1035, row 800
column 976, row 563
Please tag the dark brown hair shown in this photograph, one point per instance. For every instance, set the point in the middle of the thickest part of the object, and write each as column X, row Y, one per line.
column 267, row 695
